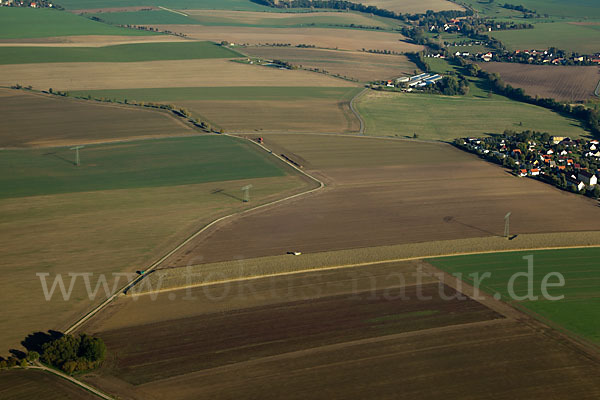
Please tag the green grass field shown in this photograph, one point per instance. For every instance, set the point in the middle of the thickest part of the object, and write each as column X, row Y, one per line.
column 118, row 53
column 584, row 39
column 240, row 5
column 21, row 22
column 250, row 93
column 144, row 17
column 294, row 19
column 578, row 311
column 140, row 164
column 556, row 8
column 445, row 118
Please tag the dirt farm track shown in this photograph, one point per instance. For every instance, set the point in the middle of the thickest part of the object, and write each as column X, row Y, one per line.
column 390, row 192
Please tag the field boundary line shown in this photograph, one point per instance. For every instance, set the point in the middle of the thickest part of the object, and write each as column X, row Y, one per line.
column 69, row 378
column 173, row 11
column 154, row 265
column 597, row 91
column 343, row 266
column 356, row 113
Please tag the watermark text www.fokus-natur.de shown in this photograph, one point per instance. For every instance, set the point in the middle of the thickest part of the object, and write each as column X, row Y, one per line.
column 523, row 285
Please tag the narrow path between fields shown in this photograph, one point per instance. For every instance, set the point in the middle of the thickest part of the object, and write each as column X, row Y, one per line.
column 152, row 267
column 69, row 378
column 356, row 113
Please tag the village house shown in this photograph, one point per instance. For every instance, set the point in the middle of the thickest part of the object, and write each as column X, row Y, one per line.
column 587, row 178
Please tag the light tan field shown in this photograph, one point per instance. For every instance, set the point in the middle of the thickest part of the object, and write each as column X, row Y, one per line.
column 101, row 232
column 158, row 74
column 362, row 66
column 88, row 41
column 69, row 121
column 225, row 17
column 345, row 39
column 413, row 6
column 326, row 115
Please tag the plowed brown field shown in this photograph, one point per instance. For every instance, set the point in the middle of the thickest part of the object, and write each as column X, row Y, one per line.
column 558, row 82
column 26, row 385
column 384, row 192
column 68, row 121
column 348, row 333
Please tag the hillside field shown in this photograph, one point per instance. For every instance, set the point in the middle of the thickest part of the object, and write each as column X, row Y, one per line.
column 424, row 192
column 70, row 122
column 255, row 108
column 330, row 329
column 413, row 6
column 119, row 53
column 578, row 312
column 445, row 118
column 125, row 206
column 149, row 163
column 241, row 18
column 159, row 74
column 555, row 8
column 563, row 83
column 242, row 5
column 46, row 22
column 584, row 39
column 362, row 66
column 331, row 38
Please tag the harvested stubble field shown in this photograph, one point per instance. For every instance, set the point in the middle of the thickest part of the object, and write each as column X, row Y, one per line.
column 314, row 335
column 159, row 74
column 116, row 231
column 88, row 41
column 578, row 311
column 344, row 39
column 439, row 117
column 362, row 66
column 563, row 83
column 253, row 108
column 413, row 6
column 384, row 192
column 31, row 384
column 69, row 121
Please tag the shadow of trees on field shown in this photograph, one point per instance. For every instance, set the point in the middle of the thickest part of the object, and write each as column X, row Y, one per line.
column 35, row 341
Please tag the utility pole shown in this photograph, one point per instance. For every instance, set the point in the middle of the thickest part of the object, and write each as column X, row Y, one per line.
column 76, row 148
column 246, row 190
column 507, row 226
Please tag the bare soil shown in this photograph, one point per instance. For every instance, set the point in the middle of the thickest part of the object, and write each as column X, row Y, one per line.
column 69, row 121
column 565, row 83
column 30, row 384
column 383, row 192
